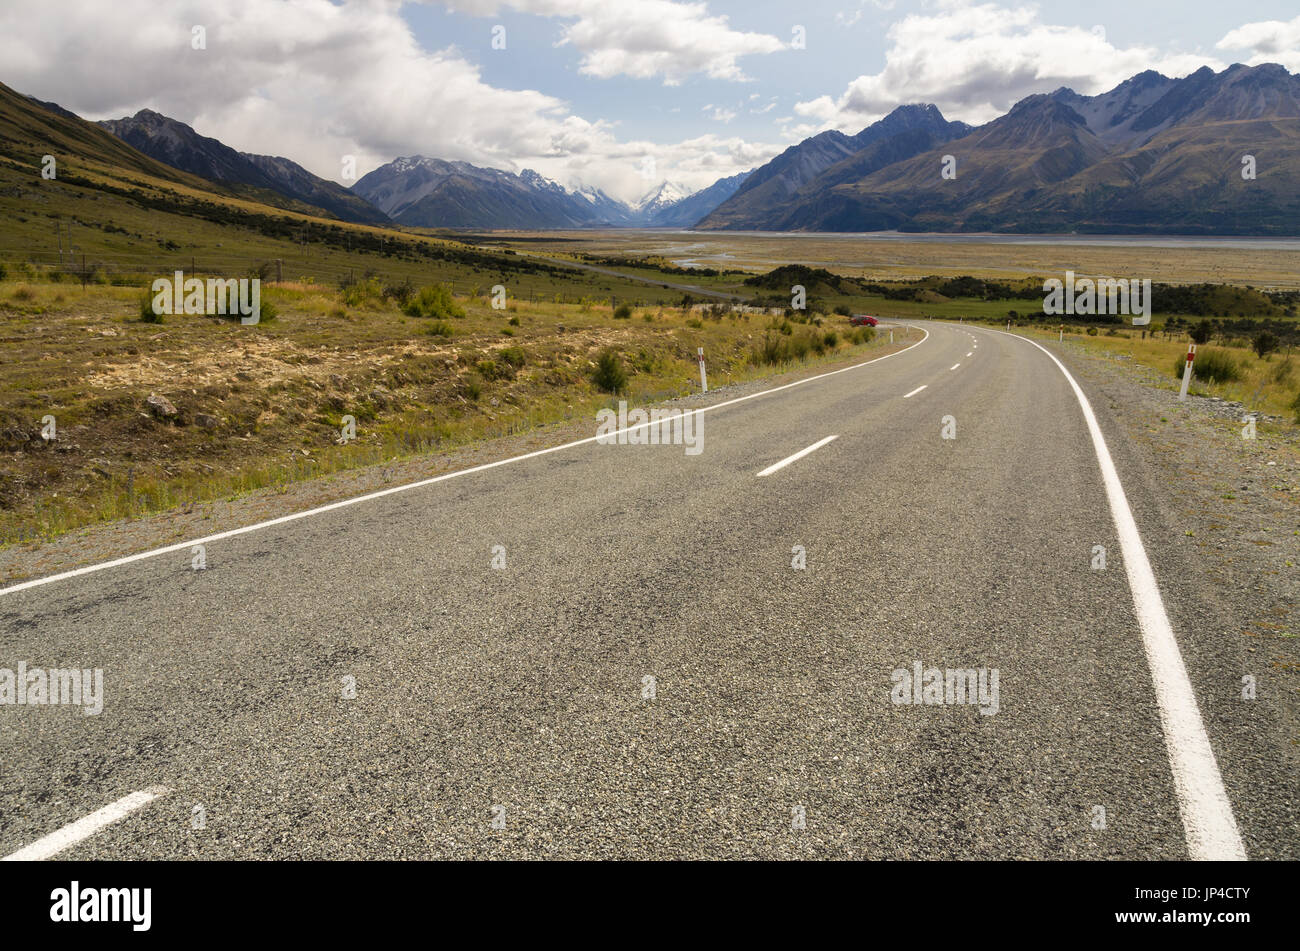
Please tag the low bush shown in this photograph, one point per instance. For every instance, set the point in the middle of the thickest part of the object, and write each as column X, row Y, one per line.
column 147, row 314
column 609, row 374
column 433, row 301
column 1211, row 366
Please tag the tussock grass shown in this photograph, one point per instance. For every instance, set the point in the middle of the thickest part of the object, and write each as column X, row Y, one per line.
column 1210, row 366
column 279, row 389
column 1268, row 386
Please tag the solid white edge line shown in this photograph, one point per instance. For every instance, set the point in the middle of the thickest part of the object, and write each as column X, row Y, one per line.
column 905, row 396
column 1208, row 822
column 82, row 829
column 343, row 503
column 798, row 455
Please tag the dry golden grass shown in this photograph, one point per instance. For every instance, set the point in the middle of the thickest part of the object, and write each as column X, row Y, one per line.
column 1266, row 386
column 900, row 258
column 279, row 390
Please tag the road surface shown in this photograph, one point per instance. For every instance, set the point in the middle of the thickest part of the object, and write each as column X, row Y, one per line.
column 507, row 711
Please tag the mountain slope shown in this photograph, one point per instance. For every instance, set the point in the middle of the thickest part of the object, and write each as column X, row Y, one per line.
column 178, row 145
column 771, row 185
column 92, row 156
column 772, row 192
column 30, row 128
column 432, row 193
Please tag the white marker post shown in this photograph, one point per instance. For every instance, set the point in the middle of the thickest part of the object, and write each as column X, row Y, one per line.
column 1062, row 340
column 704, row 380
column 1187, row 371
column 891, row 336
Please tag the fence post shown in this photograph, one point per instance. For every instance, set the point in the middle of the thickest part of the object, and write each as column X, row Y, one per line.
column 1187, row 371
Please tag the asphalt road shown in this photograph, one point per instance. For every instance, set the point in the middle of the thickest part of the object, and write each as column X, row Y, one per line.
column 518, row 694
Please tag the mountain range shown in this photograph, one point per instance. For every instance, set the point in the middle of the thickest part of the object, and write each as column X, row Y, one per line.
column 1152, row 155
column 432, row 193
column 1207, row 153
column 416, row 191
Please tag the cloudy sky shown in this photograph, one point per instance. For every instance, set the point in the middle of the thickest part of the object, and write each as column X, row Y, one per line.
column 586, row 91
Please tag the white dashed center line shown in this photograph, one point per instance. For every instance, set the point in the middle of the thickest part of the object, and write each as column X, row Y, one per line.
column 917, row 390
column 75, row 832
column 798, row 455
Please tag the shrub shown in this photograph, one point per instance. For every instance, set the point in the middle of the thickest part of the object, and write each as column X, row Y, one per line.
column 832, row 340
column 623, row 312
column 439, row 328
column 491, row 370
column 358, row 293
column 513, row 321
column 609, row 374
column 1264, row 344
column 4, row 272
column 1202, row 333
column 400, row 292
column 844, row 310
column 433, row 301
column 1211, row 366
column 263, row 271
column 147, row 314
column 513, row 355
column 778, row 348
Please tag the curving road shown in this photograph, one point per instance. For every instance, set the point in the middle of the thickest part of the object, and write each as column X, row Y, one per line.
column 518, row 697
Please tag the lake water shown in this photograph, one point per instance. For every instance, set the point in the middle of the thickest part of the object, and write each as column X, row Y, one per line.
column 1126, row 240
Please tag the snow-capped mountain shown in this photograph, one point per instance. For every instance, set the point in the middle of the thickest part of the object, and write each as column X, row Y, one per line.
column 605, row 207
column 662, row 196
column 433, row 193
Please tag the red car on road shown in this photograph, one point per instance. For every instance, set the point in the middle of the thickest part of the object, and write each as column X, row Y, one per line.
column 863, row 320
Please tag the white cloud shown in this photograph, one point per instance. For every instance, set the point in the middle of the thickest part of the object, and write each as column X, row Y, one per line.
column 1270, row 41
column 976, row 60
column 719, row 113
column 644, row 39
column 314, row 81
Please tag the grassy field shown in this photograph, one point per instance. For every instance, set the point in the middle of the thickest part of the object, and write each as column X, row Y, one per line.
column 896, row 257
column 1270, row 385
column 264, row 405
